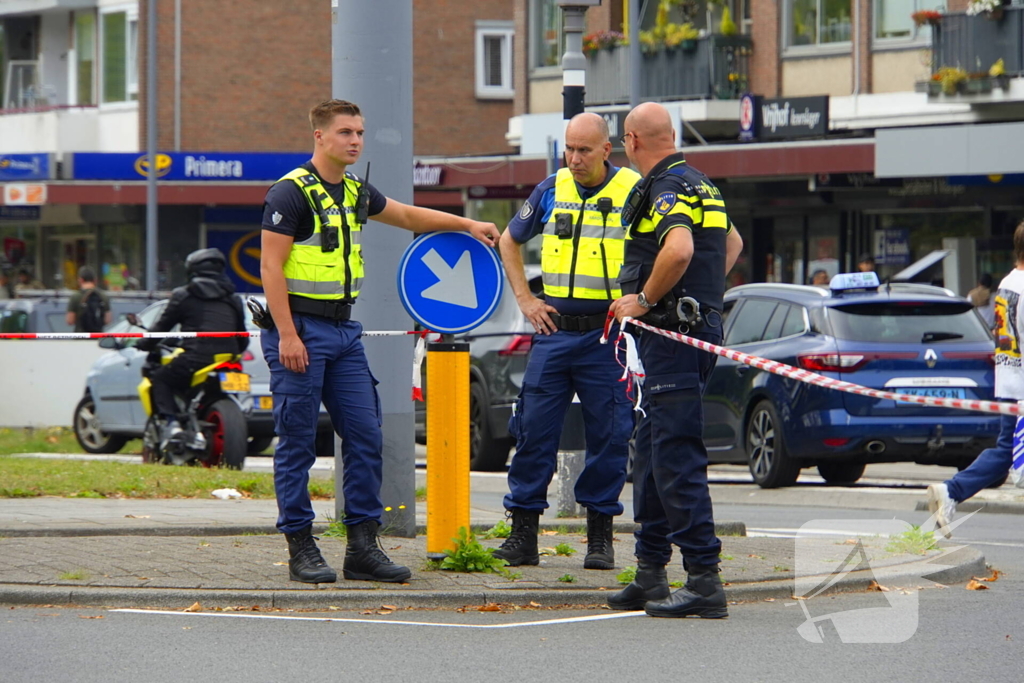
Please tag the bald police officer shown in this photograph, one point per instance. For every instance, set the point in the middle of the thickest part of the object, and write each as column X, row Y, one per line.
column 577, row 211
column 680, row 244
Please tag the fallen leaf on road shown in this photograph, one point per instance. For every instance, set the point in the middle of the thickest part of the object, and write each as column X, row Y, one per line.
column 489, row 607
column 194, row 608
column 280, row 564
column 850, row 541
column 333, row 608
column 994, row 576
column 390, row 607
column 975, row 585
column 534, row 604
column 875, row 586
column 142, row 578
column 367, row 611
column 769, row 599
column 82, row 616
column 549, row 533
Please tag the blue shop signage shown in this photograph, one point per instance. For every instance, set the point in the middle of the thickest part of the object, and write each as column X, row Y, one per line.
column 15, row 167
column 185, row 166
column 450, row 281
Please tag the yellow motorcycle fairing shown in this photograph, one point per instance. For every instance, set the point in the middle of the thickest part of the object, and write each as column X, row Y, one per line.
column 197, row 378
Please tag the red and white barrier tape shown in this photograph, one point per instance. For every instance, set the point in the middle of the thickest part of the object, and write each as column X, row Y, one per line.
column 167, row 335
column 820, row 380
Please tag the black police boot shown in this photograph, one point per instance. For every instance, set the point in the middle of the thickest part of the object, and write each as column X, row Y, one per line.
column 366, row 561
column 702, row 596
column 651, row 583
column 521, row 545
column 306, row 563
column 600, row 553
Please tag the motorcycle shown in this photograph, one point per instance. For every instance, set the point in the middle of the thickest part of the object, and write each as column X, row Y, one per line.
column 213, row 414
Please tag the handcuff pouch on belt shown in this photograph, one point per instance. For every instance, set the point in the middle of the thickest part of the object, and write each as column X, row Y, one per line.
column 682, row 313
column 261, row 317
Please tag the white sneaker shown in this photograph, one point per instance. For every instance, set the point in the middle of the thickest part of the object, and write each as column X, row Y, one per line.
column 942, row 507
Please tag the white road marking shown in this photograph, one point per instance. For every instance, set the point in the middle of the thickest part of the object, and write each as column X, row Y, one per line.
column 546, row 622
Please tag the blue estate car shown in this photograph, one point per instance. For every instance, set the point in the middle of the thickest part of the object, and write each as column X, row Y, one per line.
column 906, row 338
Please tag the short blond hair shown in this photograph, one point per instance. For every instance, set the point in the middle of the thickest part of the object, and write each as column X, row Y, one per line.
column 322, row 114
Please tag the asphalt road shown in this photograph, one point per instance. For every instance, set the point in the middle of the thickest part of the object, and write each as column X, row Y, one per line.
column 957, row 635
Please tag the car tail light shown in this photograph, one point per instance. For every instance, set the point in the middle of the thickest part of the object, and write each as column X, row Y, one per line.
column 847, row 362
column 830, row 362
column 248, row 356
column 989, row 356
column 519, row 345
column 835, row 442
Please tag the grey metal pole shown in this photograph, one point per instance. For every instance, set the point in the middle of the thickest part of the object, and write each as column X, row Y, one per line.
column 634, row 51
column 151, row 195
column 574, row 62
column 372, row 66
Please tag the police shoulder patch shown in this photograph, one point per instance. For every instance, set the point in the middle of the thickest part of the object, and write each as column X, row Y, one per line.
column 525, row 212
column 664, row 202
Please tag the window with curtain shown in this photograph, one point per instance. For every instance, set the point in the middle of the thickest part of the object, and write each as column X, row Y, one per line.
column 85, row 57
column 893, row 21
column 817, row 22
column 494, row 59
column 115, row 57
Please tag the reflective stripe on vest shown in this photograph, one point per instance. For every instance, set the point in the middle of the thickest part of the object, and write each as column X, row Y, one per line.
column 311, row 272
column 587, row 265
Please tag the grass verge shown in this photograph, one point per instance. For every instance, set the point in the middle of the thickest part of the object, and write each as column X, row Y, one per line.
column 31, row 477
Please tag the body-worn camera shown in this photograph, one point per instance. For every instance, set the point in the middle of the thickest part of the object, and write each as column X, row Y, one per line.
column 563, row 225
column 328, row 233
column 363, row 199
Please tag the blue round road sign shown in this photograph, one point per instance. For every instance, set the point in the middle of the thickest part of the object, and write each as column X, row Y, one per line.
column 450, row 281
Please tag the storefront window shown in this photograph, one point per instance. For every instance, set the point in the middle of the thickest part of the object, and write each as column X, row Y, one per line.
column 818, row 22
column 19, row 243
column 121, row 263
column 785, row 263
column 903, row 238
column 65, row 250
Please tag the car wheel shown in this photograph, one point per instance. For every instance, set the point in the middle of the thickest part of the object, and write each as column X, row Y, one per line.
column 841, row 472
column 90, row 436
column 486, row 453
column 258, row 444
column 769, row 464
column 227, row 437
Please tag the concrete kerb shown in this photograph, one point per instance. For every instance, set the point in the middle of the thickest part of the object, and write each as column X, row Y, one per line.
column 959, row 566
column 721, row 529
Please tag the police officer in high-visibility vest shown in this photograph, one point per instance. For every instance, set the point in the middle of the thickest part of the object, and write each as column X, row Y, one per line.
column 679, row 248
column 577, row 213
column 312, row 270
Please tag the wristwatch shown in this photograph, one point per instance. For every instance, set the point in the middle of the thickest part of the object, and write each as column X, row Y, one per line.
column 641, row 299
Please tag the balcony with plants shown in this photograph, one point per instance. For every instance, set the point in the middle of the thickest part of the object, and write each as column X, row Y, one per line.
column 977, row 54
column 680, row 62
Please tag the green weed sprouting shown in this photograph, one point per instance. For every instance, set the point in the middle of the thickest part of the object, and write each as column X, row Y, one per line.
column 627, row 575
column 470, row 556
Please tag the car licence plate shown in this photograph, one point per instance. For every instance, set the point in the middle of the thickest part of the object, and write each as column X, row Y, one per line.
column 234, row 381
column 266, row 402
column 934, row 392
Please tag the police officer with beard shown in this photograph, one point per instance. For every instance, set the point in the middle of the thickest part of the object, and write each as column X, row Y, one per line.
column 206, row 304
column 679, row 247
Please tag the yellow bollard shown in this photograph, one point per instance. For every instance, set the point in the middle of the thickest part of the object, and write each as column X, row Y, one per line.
column 447, row 444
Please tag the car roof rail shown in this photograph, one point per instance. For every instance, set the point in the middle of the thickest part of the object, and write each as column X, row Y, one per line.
column 781, row 286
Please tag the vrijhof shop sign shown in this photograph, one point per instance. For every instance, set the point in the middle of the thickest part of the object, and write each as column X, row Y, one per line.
column 785, row 118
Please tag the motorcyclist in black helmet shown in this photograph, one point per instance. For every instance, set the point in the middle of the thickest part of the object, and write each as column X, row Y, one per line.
column 206, row 304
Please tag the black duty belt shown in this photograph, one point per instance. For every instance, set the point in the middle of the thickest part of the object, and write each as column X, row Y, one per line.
column 579, row 323
column 332, row 309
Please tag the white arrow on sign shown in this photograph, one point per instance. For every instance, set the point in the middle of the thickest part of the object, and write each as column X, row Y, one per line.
column 454, row 285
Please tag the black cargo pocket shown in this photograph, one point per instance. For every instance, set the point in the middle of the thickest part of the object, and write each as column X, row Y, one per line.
column 293, row 414
column 623, row 417
column 673, row 387
column 515, row 421
column 629, row 278
column 376, row 401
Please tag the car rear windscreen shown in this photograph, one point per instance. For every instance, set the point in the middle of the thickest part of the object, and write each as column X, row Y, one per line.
column 908, row 322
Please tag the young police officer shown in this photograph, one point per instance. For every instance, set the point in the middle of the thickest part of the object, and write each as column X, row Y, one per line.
column 578, row 212
column 679, row 246
column 312, row 269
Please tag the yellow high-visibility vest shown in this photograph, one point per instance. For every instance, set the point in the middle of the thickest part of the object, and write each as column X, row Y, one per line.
column 312, row 272
column 586, row 265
